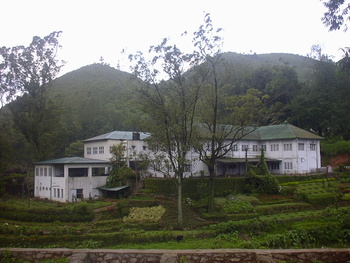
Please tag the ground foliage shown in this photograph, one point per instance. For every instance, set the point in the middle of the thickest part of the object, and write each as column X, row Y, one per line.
column 239, row 221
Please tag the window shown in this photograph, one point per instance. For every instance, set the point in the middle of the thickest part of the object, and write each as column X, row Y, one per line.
column 45, row 171
column 244, row 147
column 144, row 147
column 263, row 147
column 288, row 165
column 312, row 147
column 80, row 193
column 94, row 150
column 62, row 193
column 88, row 150
column 110, row 148
column 255, row 148
column 274, row 147
column 37, row 171
column 301, row 146
column 98, row 171
column 101, row 150
column 58, row 193
column 187, row 168
column 235, row 147
column 41, row 171
column 287, row 147
column 275, row 166
column 77, row 172
column 54, row 192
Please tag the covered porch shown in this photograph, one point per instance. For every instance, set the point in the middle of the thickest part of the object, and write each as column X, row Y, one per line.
column 233, row 167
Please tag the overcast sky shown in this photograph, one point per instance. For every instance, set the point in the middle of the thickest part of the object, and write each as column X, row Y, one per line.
column 92, row 29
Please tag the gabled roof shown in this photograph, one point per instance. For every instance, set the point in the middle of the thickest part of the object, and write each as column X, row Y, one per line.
column 118, row 135
column 271, row 132
column 285, row 131
column 73, row 160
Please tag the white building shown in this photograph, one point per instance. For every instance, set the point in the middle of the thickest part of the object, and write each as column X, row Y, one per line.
column 288, row 150
column 70, row 179
column 75, row 178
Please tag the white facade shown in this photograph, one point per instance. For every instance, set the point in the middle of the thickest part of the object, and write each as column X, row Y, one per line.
column 289, row 156
column 70, row 179
column 287, row 149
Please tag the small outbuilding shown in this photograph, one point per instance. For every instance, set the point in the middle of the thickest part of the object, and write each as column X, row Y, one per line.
column 70, row 179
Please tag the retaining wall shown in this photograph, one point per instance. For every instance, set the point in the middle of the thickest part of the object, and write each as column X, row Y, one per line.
column 174, row 256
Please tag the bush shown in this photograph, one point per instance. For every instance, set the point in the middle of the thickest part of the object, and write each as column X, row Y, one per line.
column 235, row 205
column 144, row 214
column 261, row 184
column 194, row 187
column 76, row 213
column 118, row 176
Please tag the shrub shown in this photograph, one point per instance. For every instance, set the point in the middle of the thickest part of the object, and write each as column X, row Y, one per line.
column 261, row 184
column 235, row 205
column 144, row 214
column 118, row 176
column 194, row 187
column 122, row 208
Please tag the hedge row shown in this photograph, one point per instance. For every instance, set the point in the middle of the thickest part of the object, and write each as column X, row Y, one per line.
column 197, row 188
column 77, row 213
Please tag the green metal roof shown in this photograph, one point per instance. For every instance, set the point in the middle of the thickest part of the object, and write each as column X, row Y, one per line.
column 264, row 133
column 72, row 160
column 285, row 131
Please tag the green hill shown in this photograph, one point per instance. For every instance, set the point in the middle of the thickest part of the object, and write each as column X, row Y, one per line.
column 96, row 99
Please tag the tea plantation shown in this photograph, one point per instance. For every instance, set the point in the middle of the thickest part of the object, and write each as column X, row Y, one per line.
column 309, row 212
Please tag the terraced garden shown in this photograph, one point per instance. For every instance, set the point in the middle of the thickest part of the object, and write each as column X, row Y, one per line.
column 310, row 214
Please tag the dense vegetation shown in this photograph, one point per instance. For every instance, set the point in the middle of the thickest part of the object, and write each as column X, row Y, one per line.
column 307, row 213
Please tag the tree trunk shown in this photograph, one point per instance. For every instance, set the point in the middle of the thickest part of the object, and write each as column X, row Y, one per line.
column 211, row 189
column 179, row 202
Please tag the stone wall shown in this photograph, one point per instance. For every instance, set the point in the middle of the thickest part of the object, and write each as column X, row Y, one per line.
column 174, row 256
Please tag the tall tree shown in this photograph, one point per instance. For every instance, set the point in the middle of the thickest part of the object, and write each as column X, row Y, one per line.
column 222, row 122
column 337, row 17
column 337, row 14
column 170, row 105
column 25, row 74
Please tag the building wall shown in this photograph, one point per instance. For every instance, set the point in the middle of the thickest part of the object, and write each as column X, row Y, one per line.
column 101, row 149
column 293, row 159
column 56, row 185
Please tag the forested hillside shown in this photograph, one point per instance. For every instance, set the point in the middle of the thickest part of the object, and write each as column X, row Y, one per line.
column 98, row 98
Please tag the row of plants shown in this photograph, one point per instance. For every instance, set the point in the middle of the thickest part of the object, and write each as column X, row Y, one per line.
column 194, row 187
column 80, row 212
column 258, row 232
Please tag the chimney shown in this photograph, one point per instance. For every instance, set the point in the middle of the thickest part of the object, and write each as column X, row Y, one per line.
column 136, row 136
